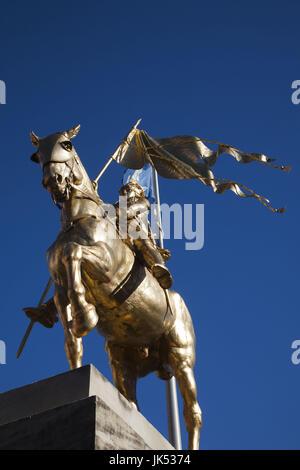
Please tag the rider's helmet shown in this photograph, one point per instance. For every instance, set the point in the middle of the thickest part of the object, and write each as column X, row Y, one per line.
column 132, row 185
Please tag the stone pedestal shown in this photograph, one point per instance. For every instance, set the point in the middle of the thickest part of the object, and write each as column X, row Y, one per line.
column 79, row 410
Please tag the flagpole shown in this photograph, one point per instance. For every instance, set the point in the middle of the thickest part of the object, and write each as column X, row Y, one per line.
column 116, row 152
column 171, row 392
column 32, row 322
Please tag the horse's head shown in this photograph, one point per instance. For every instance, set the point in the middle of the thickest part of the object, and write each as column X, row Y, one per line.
column 59, row 161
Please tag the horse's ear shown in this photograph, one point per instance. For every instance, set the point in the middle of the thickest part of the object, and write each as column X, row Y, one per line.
column 73, row 132
column 35, row 158
column 34, row 139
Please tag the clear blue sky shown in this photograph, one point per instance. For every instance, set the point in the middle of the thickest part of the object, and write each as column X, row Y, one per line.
column 218, row 70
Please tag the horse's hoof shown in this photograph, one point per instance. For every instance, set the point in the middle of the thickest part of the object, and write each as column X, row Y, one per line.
column 85, row 321
column 162, row 274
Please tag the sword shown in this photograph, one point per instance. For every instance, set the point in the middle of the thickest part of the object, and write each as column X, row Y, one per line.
column 32, row 322
column 168, row 301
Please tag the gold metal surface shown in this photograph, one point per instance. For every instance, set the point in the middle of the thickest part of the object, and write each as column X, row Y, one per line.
column 99, row 281
column 187, row 157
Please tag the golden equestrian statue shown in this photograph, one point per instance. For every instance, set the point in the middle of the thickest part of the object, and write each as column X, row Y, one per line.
column 100, row 280
column 120, row 284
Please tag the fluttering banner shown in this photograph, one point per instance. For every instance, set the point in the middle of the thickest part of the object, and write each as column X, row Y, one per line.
column 187, row 157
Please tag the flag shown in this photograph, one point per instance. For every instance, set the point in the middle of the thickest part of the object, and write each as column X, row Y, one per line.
column 187, row 157
column 144, row 178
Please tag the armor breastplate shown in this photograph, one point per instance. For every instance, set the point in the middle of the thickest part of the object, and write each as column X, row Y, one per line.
column 77, row 208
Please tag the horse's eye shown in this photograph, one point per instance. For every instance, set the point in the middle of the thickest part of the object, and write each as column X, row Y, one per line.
column 67, row 145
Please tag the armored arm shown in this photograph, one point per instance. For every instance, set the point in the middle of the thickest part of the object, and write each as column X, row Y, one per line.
column 133, row 208
column 140, row 206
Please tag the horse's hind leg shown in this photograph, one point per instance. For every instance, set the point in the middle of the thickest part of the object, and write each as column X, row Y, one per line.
column 183, row 371
column 124, row 376
column 73, row 345
column 181, row 358
column 84, row 314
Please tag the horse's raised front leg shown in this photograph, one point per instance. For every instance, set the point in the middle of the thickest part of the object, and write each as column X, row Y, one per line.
column 124, row 376
column 73, row 345
column 84, row 314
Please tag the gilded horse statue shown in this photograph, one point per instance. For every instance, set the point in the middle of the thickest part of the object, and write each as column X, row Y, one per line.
column 100, row 282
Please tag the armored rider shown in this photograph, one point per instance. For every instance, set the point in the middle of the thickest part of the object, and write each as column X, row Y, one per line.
column 139, row 232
